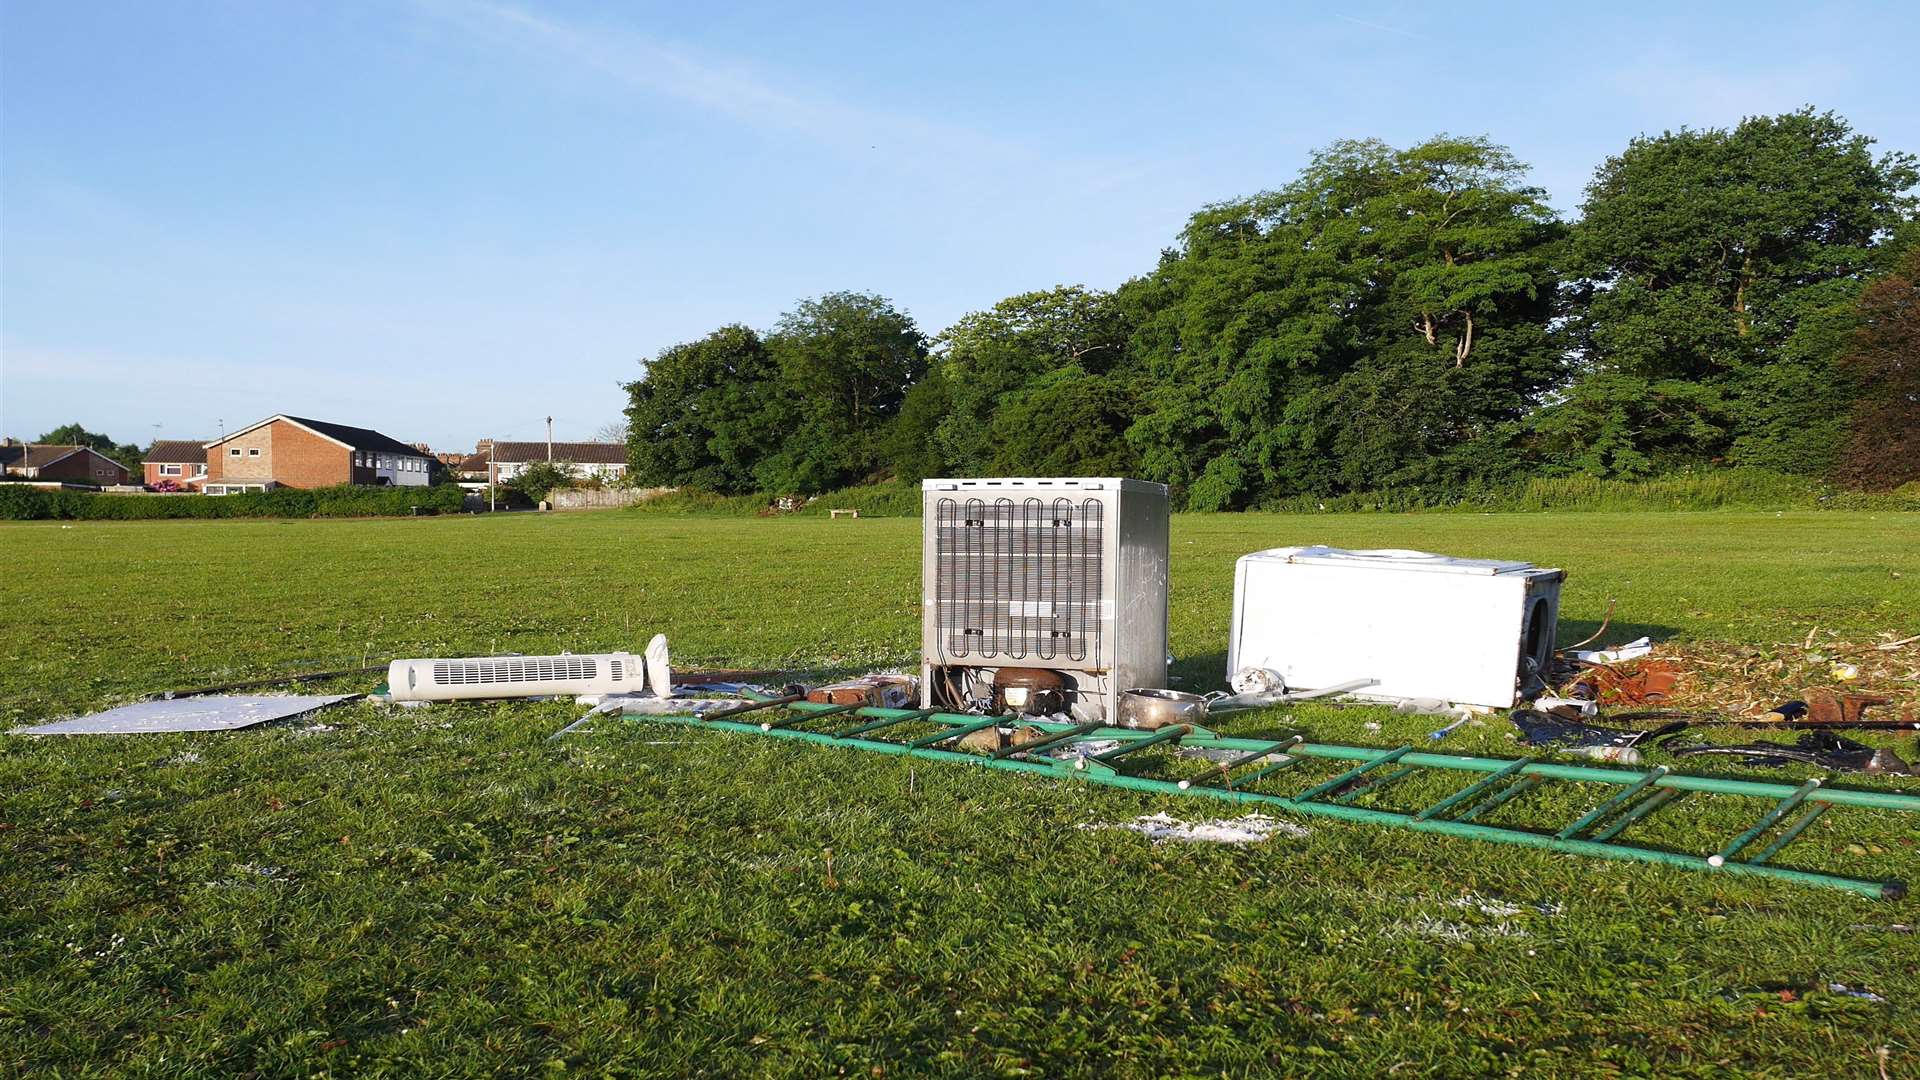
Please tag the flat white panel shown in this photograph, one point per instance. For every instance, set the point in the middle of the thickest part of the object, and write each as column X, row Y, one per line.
column 207, row 713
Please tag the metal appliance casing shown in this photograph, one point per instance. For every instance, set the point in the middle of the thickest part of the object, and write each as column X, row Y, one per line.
column 1067, row 574
column 1424, row 625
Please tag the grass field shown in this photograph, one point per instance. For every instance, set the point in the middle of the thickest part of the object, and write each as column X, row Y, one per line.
column 444, row 892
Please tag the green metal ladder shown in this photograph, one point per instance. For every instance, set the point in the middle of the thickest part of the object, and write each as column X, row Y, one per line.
column 1496, row 782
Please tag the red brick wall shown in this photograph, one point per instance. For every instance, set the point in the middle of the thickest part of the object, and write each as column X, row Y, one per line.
column 289, row 454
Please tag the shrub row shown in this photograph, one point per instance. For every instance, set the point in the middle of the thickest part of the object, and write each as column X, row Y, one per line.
column 1710, row 489
column 19, row 502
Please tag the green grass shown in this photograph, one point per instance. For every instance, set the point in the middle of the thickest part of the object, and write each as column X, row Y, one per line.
column 442, row 891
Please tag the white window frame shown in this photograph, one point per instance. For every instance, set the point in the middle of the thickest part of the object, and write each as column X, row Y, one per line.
column 169, row 470
column 253, row 451
column 233, row 452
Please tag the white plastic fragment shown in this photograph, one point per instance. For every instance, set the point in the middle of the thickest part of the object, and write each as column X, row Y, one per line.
column 1632, row 650
column 659, row 671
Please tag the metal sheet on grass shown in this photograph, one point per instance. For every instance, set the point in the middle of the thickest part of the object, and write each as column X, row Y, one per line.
column 189, row 714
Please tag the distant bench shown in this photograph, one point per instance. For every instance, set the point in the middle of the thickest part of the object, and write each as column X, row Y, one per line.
column 831, row 514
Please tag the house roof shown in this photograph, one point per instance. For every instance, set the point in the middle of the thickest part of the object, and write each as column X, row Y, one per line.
column 353, row 438
column 34, row 455
column 177, row 452
column 580, row 453
column 472, row 463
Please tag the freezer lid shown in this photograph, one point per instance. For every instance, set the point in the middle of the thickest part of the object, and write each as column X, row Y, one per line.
column 1390, row 559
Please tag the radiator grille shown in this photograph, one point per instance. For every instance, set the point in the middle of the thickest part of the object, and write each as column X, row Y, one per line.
column 514, row 669
column 1019, row 580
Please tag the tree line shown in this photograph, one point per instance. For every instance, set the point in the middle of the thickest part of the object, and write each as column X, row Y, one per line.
column 1391, row 318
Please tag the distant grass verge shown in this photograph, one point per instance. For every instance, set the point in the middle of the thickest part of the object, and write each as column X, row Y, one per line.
column 872, row 500
column 1722, row 489
column 21, row 503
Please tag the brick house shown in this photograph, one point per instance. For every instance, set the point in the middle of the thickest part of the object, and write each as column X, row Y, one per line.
column 293, row 451
column 181, row 463
column 67, row 464
column 604, row 460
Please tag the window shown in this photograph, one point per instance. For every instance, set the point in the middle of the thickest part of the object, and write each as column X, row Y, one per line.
column 253, row 451
column 169, row 470
column 235, row 452
column 199, row 470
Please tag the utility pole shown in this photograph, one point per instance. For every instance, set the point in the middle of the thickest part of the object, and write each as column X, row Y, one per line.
column 549, row 440
column 493, row 475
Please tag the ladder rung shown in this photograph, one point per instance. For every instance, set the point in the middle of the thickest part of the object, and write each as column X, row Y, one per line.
column 1799, row 825
column 1660, row 798
column 956, row 733
column 1278, row 766
column 1041, row 744
column 1766, row 822
column 803, row 717
column 1472, row 789
column 1227, row 767
column 1619, row 799
column 1170, row 732
column 1493, row 802
column 1372, row 784
column 888, row 722
column 1317, row 790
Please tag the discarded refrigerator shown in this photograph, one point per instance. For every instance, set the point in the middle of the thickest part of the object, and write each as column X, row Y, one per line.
column 1043, row 593
column 1468, row 631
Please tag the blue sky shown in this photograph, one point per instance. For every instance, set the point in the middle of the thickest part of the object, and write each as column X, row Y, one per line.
column 448, row 219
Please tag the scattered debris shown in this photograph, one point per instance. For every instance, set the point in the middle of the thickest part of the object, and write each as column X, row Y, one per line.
column 884, row 691
column 1828, row 709
column 189, row 714
column 1257, row 680
column 1847, row 991
column 1605, row 743
column 1249, row 829
column 1647, row 683
column 1632, row 650
column 1820, row 748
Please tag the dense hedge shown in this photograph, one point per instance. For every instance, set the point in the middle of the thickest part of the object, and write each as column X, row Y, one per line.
column 1706, row 489
column 19, row 502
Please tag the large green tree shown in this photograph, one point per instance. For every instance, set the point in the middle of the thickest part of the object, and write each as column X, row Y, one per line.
column 1381, row 321
column 706, row 413
column 1715, row 266
column 846, row 361
column 987, row 357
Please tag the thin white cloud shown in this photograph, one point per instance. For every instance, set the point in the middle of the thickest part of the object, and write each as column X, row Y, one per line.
column 718, row 84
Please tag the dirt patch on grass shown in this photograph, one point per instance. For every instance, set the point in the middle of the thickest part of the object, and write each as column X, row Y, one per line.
column 1748, row 680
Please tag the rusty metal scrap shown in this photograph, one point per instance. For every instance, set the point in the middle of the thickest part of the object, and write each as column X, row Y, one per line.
column 1648, row 682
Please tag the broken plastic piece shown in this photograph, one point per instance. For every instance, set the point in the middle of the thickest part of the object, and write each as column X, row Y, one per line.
column 659, row 669
column 1632, row 650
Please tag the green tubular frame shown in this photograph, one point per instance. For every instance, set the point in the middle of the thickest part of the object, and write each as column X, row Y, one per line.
column 1660, row 786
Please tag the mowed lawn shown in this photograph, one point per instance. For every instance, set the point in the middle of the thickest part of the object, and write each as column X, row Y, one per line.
column 443, row 891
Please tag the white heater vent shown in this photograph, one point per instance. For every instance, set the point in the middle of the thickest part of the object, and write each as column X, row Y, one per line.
column 518, row 669
column 474, row 677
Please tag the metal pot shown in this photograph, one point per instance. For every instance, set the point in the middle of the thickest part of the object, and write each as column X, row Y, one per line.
column 1158, row 708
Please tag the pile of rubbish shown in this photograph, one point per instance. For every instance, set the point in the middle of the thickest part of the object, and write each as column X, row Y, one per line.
column 1039, row 655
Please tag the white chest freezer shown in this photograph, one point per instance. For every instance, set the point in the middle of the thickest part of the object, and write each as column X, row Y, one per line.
column 1434, row 626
